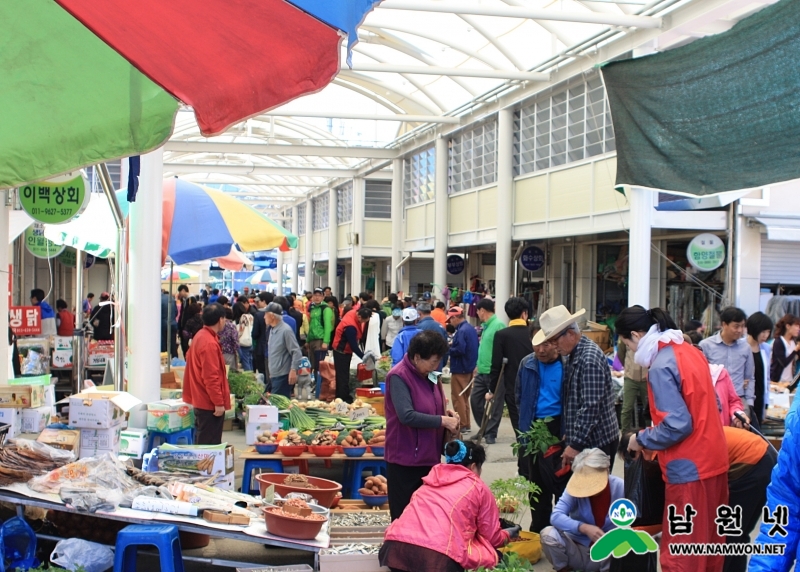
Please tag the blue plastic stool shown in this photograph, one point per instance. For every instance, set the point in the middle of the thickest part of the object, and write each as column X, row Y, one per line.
column 184, row 437
column 163, row 536
column 275, row 465
column 353, row 475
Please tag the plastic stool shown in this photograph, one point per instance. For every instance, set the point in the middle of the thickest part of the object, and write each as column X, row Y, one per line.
column 163, row 536
column 183, row 437
column 353, row 471
column 275, row 465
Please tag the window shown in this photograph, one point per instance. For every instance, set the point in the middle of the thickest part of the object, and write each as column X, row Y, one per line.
column 570, row 123
column 419, row 177
column 378, row 199
column 472, row 158
column 321, row 212
column 301, row 219
column 344, row 203
column 114, row 170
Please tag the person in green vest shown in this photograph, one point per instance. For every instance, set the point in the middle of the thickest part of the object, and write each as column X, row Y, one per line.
column 388, row 304
column 320, row 332
column 482, row 382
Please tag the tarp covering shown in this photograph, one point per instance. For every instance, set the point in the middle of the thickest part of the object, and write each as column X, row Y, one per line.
column 716, row 115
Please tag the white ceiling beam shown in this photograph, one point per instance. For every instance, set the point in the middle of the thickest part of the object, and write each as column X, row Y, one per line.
column 184, row 168
column 266, row 149
column 277, row 185
column 448, row 72
column 366, row 116
column 463, row 8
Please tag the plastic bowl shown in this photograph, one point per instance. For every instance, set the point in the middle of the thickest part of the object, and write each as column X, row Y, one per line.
column 378, row 451
column 324, row 495
column 382, row 385
column 336, row 500
column 292, row 450
column 375, row 500
column 323, row 450
column 287, row 527
column 266, row 449
column 354, row 451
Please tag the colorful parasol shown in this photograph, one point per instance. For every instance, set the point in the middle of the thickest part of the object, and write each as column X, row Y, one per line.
column 263, row 276
column 235, row 261
column 82, row 85
column 201, row 223
column 178, row 273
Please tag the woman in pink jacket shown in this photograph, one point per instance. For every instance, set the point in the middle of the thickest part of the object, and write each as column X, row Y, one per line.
column 729, row 402
column 452, row 522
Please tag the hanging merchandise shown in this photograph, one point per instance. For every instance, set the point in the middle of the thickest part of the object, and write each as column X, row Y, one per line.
column 454, row 295
column 57, row 200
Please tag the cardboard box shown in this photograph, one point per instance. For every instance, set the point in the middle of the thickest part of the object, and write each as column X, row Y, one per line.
column 225, row 518
column 36, row 419
column 67, row 439
column 92, row 409
column 169, row 380
column 132, row 442
column 101, row 439
column 169, row 416
column 253, row 430
column 187, row 457
column 171, row 393
column 226, row 483
column 350, row 563
column 227, row 425
column 262, row 414
column 12, row 417
column 50, row 395
column 22, row 396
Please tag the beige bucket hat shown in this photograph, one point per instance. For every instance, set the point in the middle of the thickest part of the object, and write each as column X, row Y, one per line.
column 553, row 322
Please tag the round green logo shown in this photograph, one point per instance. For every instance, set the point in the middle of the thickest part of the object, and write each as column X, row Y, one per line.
column 321, row 269
column 68, row 257
column 706, row 252
column 55, row 201
column 38, row 245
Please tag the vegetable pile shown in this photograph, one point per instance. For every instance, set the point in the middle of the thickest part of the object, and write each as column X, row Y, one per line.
column 325, row 438
column 299, row 481
column 266, row 438
column 374, row 486
column 352, row 439
column 378, row 438
column 297, row 417
column 292, row 439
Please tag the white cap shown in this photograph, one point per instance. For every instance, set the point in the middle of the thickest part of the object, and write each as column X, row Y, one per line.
column 410, row 315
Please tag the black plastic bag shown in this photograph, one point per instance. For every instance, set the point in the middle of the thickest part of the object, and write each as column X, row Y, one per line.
column 633, row 562
column 644, row 487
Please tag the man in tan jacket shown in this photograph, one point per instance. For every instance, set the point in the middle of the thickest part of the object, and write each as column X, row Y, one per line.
column 635, row 385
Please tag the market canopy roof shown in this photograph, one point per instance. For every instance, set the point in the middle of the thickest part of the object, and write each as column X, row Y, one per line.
column 719, row 114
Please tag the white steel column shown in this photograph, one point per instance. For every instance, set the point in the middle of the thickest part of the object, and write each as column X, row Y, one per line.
column 641, row 201
column 333, row 243
column 441, row 226
column 505, row 187
column 295, row 253
column 144, row 336
column 397, row 223
column 309, row 246
column 279, row 271
column 4, row 258
column 359, row 188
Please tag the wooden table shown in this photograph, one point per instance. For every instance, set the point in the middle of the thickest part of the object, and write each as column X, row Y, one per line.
column 274, row 462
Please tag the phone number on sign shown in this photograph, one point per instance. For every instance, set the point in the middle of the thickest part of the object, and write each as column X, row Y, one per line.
column 51, row 212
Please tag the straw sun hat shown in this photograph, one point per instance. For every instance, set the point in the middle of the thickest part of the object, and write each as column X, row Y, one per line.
column 553, row 322
column 589, row 473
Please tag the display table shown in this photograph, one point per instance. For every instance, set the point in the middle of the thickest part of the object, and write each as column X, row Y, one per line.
column 255, row 533
column 274, row 462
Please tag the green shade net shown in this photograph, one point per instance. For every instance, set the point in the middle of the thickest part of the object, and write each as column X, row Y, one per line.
column 67, row 99
column 719, row 114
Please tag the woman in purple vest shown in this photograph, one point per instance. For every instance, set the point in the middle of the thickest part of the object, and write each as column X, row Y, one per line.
column 416, row 418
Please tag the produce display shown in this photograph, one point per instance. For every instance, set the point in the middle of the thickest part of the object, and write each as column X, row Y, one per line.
column 378, row 438
column 352, row 439
column 325, row 438
column 163, row 478
column 299, row 481
column 349, row 520
column 292, row 439
column 352, row 549
column 304, row 514
column 297, row 417
column 266, row 438
column 374, row 486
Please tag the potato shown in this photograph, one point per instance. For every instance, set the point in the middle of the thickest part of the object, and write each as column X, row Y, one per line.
column 366, row 492
column 384, row 490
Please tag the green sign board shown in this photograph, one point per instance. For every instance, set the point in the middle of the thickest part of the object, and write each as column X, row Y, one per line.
column 706, row 252
column 55, row 201
column 367, row 270
column 38, row 245
column 68, row 257
column 320, row 269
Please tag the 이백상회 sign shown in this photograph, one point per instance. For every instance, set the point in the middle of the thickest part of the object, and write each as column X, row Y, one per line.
column 55, row 201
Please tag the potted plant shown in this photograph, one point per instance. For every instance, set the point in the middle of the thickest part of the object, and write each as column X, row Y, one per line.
column 513, row 497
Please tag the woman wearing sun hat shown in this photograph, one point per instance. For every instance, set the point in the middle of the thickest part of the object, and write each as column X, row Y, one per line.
column 580, row 517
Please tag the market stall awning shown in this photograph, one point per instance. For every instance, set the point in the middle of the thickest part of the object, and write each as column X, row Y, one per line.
column 716, row 115
column 82, row 85
column 780, row 227
column 94, row 230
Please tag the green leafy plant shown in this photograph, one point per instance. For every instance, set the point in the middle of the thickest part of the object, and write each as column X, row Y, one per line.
column 535, row 440
column 513, row 497
column 511, row 562
column 243, row 383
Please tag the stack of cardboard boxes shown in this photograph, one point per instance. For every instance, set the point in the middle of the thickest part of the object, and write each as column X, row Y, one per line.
column 27, row 404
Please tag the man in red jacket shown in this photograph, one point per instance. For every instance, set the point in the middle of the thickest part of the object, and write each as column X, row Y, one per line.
column 205, row 383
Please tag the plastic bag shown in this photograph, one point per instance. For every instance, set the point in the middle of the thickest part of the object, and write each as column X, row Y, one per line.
column 644, row 487
column 18, row 544
column 74, row 552
column 529, row 548
column 45, row 450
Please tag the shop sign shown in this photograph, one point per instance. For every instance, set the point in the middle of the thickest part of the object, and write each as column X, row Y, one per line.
column 68, row 257
column 38, row 245
column 339, row 270
column 532, row 258
column 321, row 269
column 25, row 320
column 367, row 270
column 55, row 201
column 455, row 264
column 88, row 261
column 706, row 252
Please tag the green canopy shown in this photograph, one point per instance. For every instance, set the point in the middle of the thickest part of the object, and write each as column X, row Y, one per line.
column 719, row 114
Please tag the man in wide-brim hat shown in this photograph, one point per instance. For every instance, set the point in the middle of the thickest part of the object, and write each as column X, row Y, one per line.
column 588, row 409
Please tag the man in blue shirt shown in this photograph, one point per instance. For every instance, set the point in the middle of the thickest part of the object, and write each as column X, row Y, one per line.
column 463, row 359
column 539, row 383
column 402, row 340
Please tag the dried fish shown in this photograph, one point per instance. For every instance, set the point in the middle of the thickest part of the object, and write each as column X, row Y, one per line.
column 353, row 549
column 360, row 519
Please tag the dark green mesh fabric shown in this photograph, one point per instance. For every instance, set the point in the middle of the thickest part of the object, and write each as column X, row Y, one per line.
column 720, row 114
